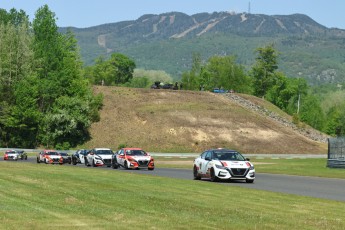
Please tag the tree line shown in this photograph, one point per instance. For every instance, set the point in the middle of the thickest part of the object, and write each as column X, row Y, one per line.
column 44, row 98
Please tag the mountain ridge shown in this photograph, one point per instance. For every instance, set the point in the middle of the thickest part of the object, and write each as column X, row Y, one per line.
column 302, row 41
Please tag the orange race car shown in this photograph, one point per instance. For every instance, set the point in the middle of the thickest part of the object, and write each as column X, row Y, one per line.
column 132, row 158
column 50, row 157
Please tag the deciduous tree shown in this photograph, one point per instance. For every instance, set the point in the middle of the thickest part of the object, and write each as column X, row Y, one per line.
column 263, row 71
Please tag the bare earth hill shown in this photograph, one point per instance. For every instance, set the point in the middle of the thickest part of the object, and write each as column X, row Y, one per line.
column 190, row 121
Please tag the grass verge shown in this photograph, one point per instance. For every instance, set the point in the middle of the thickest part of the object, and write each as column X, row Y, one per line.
column 52, row 196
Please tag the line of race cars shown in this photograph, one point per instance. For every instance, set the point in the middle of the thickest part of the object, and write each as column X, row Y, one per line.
column 214, row 164
column 128, row 158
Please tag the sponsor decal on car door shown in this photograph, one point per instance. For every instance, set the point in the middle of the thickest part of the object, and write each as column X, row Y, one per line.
column 205, row 164
column 82, row 158
column 120, row 157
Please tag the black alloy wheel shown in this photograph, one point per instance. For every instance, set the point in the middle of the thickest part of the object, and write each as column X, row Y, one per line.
column 214, row 178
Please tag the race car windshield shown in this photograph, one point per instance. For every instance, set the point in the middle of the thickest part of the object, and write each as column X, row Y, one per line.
column 228, row 156
column 63, row 154
column 104, row 152
column 136, row 153
column 52, row 153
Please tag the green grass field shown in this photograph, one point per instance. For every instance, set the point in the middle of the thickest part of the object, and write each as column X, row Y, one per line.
column 39, row 196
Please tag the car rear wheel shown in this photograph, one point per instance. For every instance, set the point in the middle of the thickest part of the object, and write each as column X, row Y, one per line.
column 214, row 178
column 38, row 160
column 196, row 174
column 74, row 161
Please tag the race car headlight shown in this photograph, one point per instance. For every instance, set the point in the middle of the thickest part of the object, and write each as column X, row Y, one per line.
column 220, row 167
column 251, row 167
column 98, row 158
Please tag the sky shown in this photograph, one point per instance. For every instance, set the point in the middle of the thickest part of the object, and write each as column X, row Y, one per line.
column 87, row 13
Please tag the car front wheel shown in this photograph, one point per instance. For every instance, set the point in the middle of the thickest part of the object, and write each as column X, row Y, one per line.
column 114, row 164
column 125, row 165
column 196, row 174
column 214, row 178
column 249, row 181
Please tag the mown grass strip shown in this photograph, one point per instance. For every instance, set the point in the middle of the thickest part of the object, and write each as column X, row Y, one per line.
column 53, row 196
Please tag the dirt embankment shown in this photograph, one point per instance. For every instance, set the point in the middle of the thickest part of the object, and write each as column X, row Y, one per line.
column 189, row 121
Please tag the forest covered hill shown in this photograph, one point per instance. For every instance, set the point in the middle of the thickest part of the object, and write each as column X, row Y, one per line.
column 167, row 42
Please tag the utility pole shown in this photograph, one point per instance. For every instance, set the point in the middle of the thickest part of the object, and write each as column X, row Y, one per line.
column 248, row 7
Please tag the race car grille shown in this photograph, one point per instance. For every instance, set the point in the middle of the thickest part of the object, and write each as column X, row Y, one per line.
column 56, row 160
column 107, row 161
column 143, row 163
column 238, row 172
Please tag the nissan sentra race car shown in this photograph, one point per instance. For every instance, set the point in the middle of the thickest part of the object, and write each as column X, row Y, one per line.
column 11, row 155
column 79, row 156
column 132, row 158
column 99, row 157
column 66, row 157
column 223, row 164
column 50, row 157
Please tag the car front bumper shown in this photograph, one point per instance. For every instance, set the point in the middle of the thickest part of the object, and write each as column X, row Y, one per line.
column 235, row 174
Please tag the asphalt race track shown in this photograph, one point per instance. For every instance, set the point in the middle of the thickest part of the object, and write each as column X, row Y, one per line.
column 326, row 188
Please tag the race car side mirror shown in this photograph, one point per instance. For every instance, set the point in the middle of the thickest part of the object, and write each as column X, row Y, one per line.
column 208, row 158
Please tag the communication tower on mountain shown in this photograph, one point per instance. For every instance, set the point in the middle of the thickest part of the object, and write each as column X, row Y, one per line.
column 248, row 7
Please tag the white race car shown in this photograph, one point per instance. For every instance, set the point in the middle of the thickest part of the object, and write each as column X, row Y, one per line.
column 11, row 155
column 223, row 164
column 99, row 157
